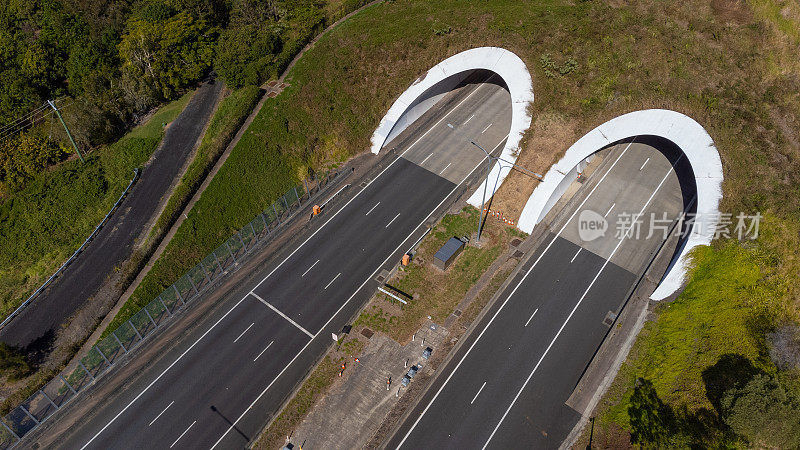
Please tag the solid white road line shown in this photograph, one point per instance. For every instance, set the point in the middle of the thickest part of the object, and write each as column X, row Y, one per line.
column 643, row 164
column 426, row 158
column 371, row 209
column 353, row 294
column 576, row 255
column 185, row 431
column 312, row 266
column 289, row 319
column 159, row 414
column 262, row 351
column 162, row 373
column 487, row 127
column 243, row 332
column 463, row 358
column 331, row 282
column 478, row 393
column 390, row 222
column 273, row 271
column 531, row 317
column 609, row 209
column 470, row 118
column 575, row 308
column 445, row 168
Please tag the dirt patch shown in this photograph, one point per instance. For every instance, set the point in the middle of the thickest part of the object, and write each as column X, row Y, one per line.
column 550, row 136
column 732, row 11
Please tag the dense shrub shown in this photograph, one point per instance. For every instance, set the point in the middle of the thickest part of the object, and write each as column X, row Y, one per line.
column 764, row 412
column 263, row 36
column 13, row 364
column 25, row 156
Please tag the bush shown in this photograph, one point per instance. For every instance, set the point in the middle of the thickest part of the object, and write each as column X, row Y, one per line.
column 27, row 155
column 764, row 412
column 13, row 364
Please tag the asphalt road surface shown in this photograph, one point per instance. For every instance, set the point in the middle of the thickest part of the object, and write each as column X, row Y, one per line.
column 37, row 324
column 219, row 390
column 508, row 384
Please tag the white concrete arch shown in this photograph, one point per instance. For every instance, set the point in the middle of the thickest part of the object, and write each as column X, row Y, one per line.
column 678, row 128
column 498, row 60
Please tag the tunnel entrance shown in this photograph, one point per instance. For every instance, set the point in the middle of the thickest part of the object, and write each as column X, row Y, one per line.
column 451, row 127
column 698, row 177
column 642, row 187
column 441, row 96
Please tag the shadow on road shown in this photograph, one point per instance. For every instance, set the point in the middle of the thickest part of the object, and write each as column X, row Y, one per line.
column 214, row 408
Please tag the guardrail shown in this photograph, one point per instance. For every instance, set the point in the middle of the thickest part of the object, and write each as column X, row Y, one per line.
column 224, row 259
column 41, row 288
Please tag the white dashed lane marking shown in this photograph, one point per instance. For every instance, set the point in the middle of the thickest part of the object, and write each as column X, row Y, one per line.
column 478, row 393
column 390, row 222
column 179, row 437
column 531, row 317
column 262, row 351
column 243, row 332
column 331, row 282
column 312, row 266
column 159, row 414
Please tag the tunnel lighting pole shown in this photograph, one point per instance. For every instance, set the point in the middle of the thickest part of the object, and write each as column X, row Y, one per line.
column 485, row 185
column 489, row 162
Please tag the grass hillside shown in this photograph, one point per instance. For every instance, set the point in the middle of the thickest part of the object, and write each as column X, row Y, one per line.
column 44, row 223
column 730, row 65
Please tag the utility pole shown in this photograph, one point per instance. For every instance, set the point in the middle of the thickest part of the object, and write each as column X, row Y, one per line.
column 69, row 135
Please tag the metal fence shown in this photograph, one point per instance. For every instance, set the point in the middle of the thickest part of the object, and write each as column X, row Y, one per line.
column 67, row 385
column 77, row 252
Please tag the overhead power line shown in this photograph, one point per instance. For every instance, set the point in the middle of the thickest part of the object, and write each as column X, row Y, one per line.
column 22, row 119
column 30, row 119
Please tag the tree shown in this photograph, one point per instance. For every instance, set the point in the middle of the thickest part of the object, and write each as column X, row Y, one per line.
column 162, row 54
column 764, row 412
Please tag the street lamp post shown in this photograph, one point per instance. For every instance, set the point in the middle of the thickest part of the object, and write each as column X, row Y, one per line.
column 489, row 162
column 485, row 186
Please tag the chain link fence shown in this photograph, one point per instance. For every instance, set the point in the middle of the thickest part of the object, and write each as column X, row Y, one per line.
column 68, row 384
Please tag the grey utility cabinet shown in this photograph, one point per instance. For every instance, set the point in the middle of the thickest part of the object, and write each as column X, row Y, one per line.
column 448, row 253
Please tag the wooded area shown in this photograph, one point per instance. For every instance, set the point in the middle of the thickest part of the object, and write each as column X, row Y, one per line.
column 118, row 59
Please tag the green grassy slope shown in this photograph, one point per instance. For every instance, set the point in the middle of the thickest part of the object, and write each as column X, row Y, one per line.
column 44, row 223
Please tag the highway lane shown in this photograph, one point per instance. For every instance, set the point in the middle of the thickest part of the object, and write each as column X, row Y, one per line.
column 508, row 385
column 220, row 389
